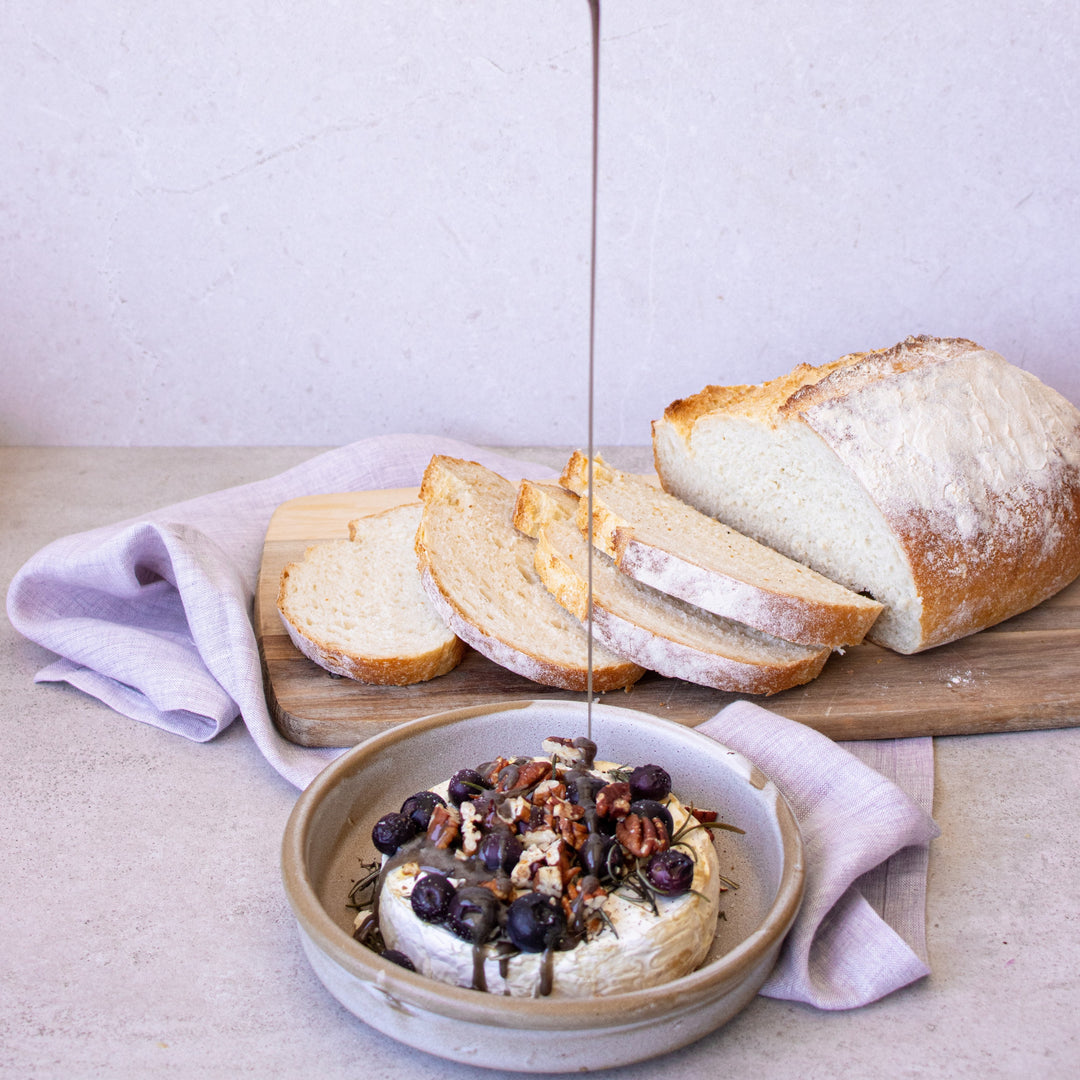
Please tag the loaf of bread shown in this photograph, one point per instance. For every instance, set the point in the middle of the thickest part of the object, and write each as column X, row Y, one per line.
column 355, row 607
column 933, row 476
column 666, row 543
column 655, row 630
column 479, row 572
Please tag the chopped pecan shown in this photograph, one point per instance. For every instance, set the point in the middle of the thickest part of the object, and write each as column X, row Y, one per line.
column 563, row 808
column 542, row 837
column 492, row 774
column 557, row 855
column 514, row 810
column 613, row 800
column 704, row 816
column 565, row 818
column 549, row 881
column 508, row 778
column 531, row 860
column 539, row 829
column 556, row 875
column 642, row 836
column 444, row 826
column 592, row 893
column 569, row 751
column 584, row 897
column 531, row 773
column 547, row 790
column 500, row 887
column 471, row 833
column 575, row 833
column 487, row 811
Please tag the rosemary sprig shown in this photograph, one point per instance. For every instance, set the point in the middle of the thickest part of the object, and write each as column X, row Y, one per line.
column 692, row 823
column 356, row 899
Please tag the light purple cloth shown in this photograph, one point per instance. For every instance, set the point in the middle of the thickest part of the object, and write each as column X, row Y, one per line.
column 864, row 812
column 153, row 616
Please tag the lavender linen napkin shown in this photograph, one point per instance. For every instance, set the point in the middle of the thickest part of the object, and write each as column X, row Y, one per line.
column 153, row 617
column 864, row 811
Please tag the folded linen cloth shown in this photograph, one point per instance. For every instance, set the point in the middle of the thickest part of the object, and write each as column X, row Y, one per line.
column 864, row 812
column 153, row 616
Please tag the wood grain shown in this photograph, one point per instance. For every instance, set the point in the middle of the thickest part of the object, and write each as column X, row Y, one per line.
column 1021, row 675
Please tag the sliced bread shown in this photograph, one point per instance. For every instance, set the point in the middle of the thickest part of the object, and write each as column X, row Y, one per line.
column 933, row 475
column 355, row 607
column 658, row 631
column 479, row 572
column 540, row 503
column 664, row 542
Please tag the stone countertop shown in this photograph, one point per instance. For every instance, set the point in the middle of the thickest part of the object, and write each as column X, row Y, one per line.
column 146, row 931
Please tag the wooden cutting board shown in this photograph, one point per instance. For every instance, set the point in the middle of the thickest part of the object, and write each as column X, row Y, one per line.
column 1020, row 675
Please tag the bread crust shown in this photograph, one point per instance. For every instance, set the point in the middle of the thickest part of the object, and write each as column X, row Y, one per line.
column 522, row 662
column 360, row 658
column 718, row 577
column 987, row 534
column 444, row 480
column 658, row 652
column 376, row 671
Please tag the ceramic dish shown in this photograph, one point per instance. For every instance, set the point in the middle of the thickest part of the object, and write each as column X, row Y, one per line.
column 328, row 836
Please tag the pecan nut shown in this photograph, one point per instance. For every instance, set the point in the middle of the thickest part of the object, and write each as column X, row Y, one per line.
column 574, row 833
column 500, row 888
column 444, row 827
column 613, row 800
column 547, row 790
column 570, row 751
column 642, row 836
column 532, row 772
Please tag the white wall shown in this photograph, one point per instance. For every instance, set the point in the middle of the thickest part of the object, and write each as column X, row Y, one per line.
column 307, row 222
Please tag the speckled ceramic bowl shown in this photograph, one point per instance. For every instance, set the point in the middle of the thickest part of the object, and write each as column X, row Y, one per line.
column 329, row 835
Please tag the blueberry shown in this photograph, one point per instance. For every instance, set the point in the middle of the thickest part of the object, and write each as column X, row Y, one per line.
column 535, row 922
column 473, row 914
column 431, row 897
column 582, row 790
column 602, row 856
column 650, row 782
column 650, row 808
column 670, row 872
column 420, row 806
column 500, row 850
column 466, row 784
column 391, row 831
column 399, row 958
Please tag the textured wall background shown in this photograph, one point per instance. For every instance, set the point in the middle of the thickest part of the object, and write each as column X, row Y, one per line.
column 304, row 223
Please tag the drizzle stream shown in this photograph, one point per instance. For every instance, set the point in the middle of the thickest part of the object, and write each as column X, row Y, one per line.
column 594, row 11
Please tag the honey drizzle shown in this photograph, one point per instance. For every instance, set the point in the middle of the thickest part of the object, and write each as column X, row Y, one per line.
column 594, row 12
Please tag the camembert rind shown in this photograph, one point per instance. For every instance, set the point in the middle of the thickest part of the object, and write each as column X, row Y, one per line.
column 645, row 949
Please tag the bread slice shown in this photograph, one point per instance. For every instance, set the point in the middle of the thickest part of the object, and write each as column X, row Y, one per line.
column 658, row 631
column 355, row 607
column 478, row 571
column 934, row 476
column 668, row 544
column 539, row 504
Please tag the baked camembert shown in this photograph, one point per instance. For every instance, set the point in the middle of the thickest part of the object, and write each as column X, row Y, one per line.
column 553, row 875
